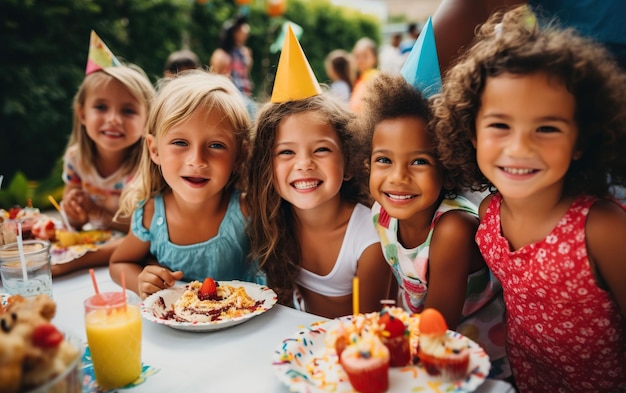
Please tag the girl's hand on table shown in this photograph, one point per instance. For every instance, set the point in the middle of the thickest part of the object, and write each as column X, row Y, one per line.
column 153, row 278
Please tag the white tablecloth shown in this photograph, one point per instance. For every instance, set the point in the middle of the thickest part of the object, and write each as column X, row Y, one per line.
column 236, row 359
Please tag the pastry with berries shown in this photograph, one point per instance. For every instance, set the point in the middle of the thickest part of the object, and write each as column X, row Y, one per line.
column 394, row 334
column 210, row 301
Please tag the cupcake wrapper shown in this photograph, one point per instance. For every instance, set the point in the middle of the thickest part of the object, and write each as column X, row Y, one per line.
column 450, row 369
column 399, row 350
column 372, row 380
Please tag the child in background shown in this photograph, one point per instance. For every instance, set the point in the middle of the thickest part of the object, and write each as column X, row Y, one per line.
column 365, row 55
column 540, row 116
column 339, row 70
column 102, row 155
column 309, row 206
column 426, row 228
column 186, row 205
column 179, row 61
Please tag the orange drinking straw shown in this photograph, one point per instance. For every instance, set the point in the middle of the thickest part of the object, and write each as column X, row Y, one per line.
column 93, row 281
column 355, row 295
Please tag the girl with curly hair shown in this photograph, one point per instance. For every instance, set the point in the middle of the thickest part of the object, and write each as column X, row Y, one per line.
column 309, row 209
column 539, row 117
column 426, row 227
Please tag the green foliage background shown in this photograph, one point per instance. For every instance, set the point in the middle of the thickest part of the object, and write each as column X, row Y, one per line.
column 45, row 46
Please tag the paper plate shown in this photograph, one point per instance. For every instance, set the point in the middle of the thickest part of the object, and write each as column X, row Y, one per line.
column 157, row 306
column 304, row 363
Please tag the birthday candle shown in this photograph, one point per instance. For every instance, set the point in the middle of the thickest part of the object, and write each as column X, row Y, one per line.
column 355, row 295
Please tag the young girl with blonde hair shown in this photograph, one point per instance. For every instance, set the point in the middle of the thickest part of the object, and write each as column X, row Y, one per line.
column 110, row 110
column 539, row 116
column 188, row 215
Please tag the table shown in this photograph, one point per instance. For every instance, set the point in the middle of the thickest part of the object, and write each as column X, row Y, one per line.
column 236, row 359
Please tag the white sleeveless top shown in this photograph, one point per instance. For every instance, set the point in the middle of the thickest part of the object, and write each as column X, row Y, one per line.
column 360, row 234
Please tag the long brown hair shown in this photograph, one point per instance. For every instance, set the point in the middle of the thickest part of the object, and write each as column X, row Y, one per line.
column 273, row 241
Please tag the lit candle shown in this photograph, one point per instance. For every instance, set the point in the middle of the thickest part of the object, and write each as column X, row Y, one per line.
column 355, row 295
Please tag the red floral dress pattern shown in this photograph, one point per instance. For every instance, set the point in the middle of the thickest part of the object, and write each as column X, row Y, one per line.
column 564, row 333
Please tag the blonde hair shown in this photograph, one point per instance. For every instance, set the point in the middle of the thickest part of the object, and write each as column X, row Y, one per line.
column 177, row 100
column 138, row 85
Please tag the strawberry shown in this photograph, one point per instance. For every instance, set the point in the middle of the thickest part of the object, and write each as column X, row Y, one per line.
column 13, row 212
column 208, row 289
column 393, row 325
column 46, row 336
column 396, row 339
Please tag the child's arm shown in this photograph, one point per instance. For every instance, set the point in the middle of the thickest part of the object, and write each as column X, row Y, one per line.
column 606, row 235
column 374, row 278
column 142, row 273
column 453, row 256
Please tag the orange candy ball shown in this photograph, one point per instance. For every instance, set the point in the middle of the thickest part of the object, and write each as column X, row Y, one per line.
column 432, row 322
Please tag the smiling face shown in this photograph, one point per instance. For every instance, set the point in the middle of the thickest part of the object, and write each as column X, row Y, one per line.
column 526, row 134
column 197, row 156
column 405, row 177
column 112, row 117
column 308, row 161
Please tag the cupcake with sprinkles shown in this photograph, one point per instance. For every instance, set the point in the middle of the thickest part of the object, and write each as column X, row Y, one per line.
column 440, row 354
column 366, row 363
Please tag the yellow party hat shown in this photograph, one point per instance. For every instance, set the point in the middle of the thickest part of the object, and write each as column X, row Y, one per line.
column 294, row 77
column 100, row 56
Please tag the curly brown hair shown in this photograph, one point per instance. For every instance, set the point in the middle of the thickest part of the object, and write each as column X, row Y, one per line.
column 270, row 229
column 512, row 42
column 390, row 96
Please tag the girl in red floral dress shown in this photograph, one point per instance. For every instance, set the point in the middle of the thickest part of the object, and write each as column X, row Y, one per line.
column 540, row 116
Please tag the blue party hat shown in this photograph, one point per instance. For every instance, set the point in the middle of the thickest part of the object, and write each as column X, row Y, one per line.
column 421, row 68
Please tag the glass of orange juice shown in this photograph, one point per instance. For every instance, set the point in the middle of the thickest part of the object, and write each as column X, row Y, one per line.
column 114, row 336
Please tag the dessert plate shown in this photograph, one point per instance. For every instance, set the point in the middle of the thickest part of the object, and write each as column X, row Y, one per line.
column 304, row 363
column 64, row 254
column 159, row 305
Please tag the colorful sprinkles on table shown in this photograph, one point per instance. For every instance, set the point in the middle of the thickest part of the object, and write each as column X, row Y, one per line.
column 304, row 363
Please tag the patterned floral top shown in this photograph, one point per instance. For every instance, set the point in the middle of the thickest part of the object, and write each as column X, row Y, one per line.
column 564, row 333
column 103, row 191
column 482, row 318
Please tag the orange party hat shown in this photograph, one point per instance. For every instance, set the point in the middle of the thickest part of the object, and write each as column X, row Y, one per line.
column 294, row 77
column 100, row 56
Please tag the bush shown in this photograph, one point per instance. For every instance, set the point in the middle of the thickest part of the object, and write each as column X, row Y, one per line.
column 45, row 45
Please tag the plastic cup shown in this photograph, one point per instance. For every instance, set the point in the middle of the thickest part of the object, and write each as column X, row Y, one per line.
column 38, row 278
column 114, row 337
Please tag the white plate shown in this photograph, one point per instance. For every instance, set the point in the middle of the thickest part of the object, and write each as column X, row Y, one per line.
column 60, row 254
column 305, row 364
column 157, row 305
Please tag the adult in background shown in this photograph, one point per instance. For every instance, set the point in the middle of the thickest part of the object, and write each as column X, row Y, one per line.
column 455, row 21
column 233, row 39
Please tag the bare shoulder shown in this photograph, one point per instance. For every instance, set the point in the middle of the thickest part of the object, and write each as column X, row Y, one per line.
column 148, row 213
column 483, row 206
column 606, row 223
column 456, row 224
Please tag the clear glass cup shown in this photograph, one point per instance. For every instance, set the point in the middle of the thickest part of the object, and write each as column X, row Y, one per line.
column 114, row 336
column 32, row 279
